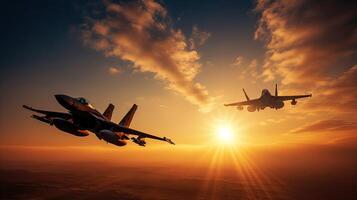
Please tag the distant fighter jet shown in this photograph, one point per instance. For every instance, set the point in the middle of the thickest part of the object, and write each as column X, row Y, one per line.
column 82, row 118
column 266, row 100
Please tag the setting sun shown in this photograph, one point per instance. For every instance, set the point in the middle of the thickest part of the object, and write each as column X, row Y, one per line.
column 225, row 134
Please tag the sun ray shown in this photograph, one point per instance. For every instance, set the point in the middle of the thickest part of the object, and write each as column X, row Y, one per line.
column 270, row 186
column 226, row 155
column 211, row 170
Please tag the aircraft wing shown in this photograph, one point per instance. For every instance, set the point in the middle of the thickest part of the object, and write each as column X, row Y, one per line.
column 49, row 113
column 118, row 128
column 126, row 130
column 286, row 98
column 244, row 103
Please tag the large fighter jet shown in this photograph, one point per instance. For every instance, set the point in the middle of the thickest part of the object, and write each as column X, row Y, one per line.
column 266, row 100
column 82, row 118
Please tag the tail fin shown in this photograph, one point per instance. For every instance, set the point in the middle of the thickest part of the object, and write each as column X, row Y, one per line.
column 128, row 117
column 276, row 89
column 246, row 96
column 109, row 111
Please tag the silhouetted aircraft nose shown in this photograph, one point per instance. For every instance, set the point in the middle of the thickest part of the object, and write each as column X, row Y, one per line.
column 64, row 100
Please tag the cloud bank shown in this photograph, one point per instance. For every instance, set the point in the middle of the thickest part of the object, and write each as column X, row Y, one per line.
column 307, row 41
column 140, row 32
column 312, row 45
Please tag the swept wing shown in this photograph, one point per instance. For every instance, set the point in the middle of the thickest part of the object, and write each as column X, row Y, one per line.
column 286, row 98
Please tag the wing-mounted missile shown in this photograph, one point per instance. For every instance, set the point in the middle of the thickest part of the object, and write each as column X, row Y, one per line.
column 140, row 141
column 293, row 102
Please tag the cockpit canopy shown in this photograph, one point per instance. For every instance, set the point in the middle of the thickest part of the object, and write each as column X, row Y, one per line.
column 83, row 101
column 265, row 92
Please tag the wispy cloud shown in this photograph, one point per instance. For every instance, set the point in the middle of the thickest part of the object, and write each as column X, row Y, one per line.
column 307, row 41
column 339, row 95
column 330, row 125
column 249, row 71
column 114, row 70
column 272, row 121
column 198, row 37
column 238, row 61
column 141, row 32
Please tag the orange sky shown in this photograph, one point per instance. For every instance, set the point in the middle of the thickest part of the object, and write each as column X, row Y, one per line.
column 181, row 79
column 180, row 61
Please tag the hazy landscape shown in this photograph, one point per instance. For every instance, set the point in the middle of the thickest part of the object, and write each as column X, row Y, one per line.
column 331, row 176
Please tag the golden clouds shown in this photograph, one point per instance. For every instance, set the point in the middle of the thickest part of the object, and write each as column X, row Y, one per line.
column 140, row 32
column 307, row 40
column 339, row 94
column 330, row 125
column 114, row 70
column 238, row 61
column 198, row 37
column 311, row 45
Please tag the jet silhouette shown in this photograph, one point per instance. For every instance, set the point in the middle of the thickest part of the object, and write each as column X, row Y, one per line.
column 266, row 100
column 83, row 118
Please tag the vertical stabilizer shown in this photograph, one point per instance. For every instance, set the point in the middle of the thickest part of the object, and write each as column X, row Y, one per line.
column 246, row 96
column 128, row 117
column 109, row 111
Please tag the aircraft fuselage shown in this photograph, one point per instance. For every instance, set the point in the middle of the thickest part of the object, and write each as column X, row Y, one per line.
column 268, row 100
column 85, row 117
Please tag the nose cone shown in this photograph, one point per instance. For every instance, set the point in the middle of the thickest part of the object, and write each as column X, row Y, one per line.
column 65, row 101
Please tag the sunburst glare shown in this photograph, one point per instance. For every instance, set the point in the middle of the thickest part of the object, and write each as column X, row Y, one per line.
column 225, row 134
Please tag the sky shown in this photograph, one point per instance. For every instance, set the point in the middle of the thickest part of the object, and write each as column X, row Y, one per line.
column 180, row 61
